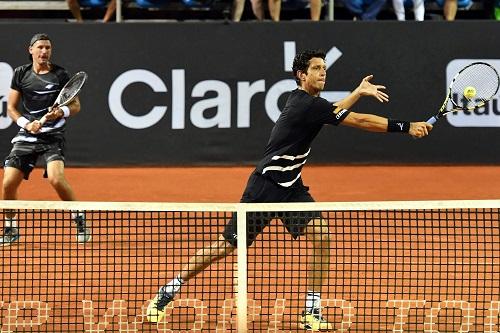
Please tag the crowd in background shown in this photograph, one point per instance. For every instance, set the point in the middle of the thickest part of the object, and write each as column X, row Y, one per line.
column 364, row 10
column 359, row 9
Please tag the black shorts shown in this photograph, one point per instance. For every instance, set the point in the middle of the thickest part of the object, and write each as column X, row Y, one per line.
column 24, row 155
column 261, row 189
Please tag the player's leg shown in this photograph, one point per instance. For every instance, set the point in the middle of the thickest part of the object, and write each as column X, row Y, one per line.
column 197, row 263
column 18, row 165
column 56, row 177
column 12, row 178
column 219, row 249
column 317, row 233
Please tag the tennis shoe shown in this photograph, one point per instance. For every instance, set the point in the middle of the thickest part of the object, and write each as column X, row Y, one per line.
column 83, row 233
column 10, row 235
column 314, row 321
column 156, row 308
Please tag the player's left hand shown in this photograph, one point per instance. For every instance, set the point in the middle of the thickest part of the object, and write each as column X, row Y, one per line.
column 54, row 113
column 366, row 88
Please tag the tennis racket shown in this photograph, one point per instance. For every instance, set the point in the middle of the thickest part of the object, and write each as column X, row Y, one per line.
column 474, row 85
column 68, row 92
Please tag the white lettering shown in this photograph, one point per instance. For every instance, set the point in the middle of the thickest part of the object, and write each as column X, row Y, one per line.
column 115, row 99
column 245, row 93
column 209, row 111
column 178, row 98
column 273, row 95
column 222, row 104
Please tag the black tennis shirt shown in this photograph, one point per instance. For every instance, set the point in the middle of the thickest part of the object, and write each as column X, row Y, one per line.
column 289, row 145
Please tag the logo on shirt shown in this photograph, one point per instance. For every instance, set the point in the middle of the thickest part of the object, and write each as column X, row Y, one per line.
column 6, row 73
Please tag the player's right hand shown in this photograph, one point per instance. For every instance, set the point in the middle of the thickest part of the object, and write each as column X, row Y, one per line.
column 420, row 129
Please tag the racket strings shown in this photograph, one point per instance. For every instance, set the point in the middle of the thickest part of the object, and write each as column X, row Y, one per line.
column 483, row 78
column 72, row 88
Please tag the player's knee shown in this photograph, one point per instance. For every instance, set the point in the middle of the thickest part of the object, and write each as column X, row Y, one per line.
column 57, row 181
column 9, row 186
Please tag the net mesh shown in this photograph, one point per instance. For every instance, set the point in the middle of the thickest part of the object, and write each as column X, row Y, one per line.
column 389, row 267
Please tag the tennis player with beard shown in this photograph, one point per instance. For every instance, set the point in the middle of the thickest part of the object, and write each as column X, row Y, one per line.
column 277, row 178
column 34, row 89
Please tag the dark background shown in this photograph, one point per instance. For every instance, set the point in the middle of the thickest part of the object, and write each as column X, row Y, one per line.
column 410, row 58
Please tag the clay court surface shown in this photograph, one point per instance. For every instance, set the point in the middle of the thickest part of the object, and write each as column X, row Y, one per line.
column 327, row 183
column 107, row 283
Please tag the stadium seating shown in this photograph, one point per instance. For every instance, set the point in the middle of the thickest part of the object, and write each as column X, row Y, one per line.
column 205, row 9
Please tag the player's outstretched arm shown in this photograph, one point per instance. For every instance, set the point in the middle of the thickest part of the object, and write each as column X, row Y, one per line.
column 365, row 88
column 374, row 123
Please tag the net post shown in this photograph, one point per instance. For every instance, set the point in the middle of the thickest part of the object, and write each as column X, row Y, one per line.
column 241, row 291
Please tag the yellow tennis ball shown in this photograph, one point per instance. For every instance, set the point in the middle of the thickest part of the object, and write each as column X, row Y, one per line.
column 469, row 92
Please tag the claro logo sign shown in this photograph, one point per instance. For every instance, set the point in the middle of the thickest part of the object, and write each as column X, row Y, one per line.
column 220, row 92
column 487, row 116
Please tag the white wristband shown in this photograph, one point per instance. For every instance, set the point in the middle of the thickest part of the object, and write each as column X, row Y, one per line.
column 66, row 111
column 22, row 122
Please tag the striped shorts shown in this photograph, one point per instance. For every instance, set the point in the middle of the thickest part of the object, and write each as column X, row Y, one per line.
column 24, row 155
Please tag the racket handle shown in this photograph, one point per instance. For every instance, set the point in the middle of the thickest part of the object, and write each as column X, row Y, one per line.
column 43, row 120
column 432, row 120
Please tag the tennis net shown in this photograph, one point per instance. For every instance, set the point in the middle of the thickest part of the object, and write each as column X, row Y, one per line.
column 425, row 266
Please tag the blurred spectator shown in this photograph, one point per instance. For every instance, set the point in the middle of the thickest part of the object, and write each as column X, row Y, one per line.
column 450, row 7
column 418, row 9
column 365, row 10
column 496, row 10
column 74, row 7
column 274, row 7
column 237, row 10
column 316, row 9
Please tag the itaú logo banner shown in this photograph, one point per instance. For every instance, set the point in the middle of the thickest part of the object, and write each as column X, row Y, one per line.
column 486, row 116
column 6, row 73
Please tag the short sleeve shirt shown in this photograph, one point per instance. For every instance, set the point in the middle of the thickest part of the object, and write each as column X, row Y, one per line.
column 289, row 145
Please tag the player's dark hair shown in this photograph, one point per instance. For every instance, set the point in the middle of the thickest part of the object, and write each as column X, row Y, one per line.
column 302, row 59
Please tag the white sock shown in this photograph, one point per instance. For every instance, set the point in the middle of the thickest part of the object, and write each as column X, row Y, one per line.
column 312, row 301
column 174, row 286
column 10, row 222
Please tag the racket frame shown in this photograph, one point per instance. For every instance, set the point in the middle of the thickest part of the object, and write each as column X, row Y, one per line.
column 442, row 110
column 43, row 120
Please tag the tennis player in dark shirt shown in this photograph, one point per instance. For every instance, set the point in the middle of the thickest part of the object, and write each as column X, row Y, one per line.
column 277, row 178
column 34, row 89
